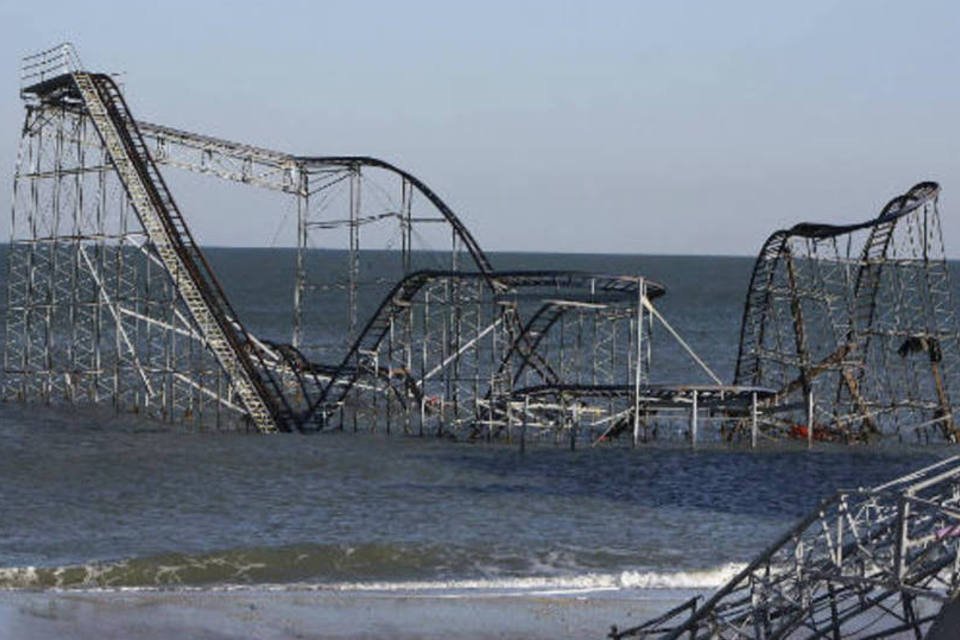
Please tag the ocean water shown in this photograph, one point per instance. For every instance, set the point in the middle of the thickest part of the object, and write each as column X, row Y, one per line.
column 92, row 499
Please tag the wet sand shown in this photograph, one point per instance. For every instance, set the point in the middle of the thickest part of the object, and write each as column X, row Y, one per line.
column 286, row 614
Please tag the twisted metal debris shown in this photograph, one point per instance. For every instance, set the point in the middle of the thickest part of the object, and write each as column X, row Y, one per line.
column 867, row 563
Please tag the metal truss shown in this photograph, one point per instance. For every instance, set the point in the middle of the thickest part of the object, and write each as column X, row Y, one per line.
column 92, row 309
column 857, row 324
column 466, row 356
column 636, row 413
column 870, row 563
column 111, row 299
column 433, row 321
column 337, row 198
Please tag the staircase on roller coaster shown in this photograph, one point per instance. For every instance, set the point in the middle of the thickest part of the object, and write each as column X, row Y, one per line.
column 170, row 240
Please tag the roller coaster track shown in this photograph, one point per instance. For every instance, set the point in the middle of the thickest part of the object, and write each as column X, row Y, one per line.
column 276, row 170
column 757, row 304
column 525, row 346
column 868, row 285
column 532, row 333
column 345, row 376
column 776, row 250
column 257, row 369
column 659, row 395
column 865, row 293
column 353, row 162
column 171, row 239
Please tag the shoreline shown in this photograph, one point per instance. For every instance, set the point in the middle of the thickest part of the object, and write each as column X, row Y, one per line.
column 226, row 614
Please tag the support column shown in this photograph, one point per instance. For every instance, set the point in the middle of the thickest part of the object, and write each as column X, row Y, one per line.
column 303, row 212
column 638, row 369
column 694, row 409
column 353, row 269
column 523, row 425
column 406, row 223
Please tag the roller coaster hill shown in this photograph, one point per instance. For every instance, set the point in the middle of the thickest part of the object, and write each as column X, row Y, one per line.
column 848, row 332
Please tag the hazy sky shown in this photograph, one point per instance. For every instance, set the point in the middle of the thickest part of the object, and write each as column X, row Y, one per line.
column 636, row 127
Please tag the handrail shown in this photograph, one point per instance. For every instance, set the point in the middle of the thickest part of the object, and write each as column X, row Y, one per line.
column 50, row 63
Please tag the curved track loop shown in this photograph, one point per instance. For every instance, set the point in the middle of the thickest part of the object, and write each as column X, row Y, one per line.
column 283, row 161
column 354, row 162
column 775, row 249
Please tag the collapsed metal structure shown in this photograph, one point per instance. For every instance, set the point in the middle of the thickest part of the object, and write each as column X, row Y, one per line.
column 858, row 323
column 400, row 322
column 111, row 300
column 870, row 563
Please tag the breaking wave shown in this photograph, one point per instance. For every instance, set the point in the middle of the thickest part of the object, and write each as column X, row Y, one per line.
column 695, row 579
column 367, row 568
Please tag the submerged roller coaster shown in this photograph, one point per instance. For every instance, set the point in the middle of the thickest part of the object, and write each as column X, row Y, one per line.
column 401, row 323
column 849, row 333
column 111, row 299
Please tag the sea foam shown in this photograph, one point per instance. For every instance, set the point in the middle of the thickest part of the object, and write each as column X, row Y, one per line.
column 91, row 577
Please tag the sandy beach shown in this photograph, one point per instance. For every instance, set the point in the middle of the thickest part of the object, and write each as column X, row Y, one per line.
column 293, row 614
